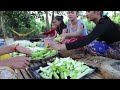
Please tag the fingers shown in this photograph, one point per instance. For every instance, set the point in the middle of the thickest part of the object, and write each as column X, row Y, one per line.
column 20, row 59
column 27, row 51
column 19, row 62
column 40, row 32
column 22, row 65
column 50, row 48
column 26, row 62
column 63, row 38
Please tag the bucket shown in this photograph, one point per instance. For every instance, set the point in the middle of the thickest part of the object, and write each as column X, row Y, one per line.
column 47, row 40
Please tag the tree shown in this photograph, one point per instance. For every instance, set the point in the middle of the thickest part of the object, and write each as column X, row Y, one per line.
column 47, row 21
column 52, row 18
column 2, row 20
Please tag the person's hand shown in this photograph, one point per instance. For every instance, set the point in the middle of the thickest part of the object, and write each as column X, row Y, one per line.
column 19, row 62
column 58, row 39
column 53, row 46
column 63, row 36
column 41, row 33
column 24, row 50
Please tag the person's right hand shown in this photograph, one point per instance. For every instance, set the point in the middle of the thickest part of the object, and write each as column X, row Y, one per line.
column 19, row 62
column 24, row 50
column 53, row 46
column 41, row 33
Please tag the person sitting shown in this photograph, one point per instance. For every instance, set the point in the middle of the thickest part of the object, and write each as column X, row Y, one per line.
column 18, row 62
column 76, row 28
column 104, row 39
column 60, row 25
column 51, row 33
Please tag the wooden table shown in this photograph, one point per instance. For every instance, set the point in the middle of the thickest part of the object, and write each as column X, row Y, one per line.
column 91, row 60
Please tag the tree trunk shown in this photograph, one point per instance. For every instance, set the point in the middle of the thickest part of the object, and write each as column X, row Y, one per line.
column 47, row 21
column 52, row 18
column 115, row 13
column 2, row 24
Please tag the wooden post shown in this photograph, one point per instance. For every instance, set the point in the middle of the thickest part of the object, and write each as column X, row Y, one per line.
column 2, row 24
column 52, row 18
column 47, row 21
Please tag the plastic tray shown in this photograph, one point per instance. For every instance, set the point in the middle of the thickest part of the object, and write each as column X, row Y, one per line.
column 36, row 75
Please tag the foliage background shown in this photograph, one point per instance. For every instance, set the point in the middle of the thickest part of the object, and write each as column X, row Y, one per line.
column 25, row 21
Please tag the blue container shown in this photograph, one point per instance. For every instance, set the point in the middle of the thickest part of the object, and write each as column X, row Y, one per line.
column 41, row 45
column 2, row 43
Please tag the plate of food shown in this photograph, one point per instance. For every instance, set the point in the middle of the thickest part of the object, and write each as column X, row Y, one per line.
column 62, row 68
column 39, row 54
column 44, row 54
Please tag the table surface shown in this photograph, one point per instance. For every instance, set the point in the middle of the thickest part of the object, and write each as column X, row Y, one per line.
column 90, row 60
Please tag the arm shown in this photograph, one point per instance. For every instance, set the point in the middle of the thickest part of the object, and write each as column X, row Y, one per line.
column 64, row 30
column 72, row 34
column 55, row 35
column 7, row 49
column 75, row 34
column 48, row 32
column 97, row 31
column 14, row 48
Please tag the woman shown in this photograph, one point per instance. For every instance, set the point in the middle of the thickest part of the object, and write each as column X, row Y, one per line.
column 106, row 33
column 76, row 27
column 59, row 23
column 18, row 62
column 59, row 27
column 76, row 30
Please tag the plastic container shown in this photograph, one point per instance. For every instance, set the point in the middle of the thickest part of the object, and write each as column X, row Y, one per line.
column 4, row 57
column 47, row 40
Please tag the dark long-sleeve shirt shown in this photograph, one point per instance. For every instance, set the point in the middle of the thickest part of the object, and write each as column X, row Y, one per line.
column 105, row 30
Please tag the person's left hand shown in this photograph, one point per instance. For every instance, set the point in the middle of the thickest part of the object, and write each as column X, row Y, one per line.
column 24, row 50
column 18, row 62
